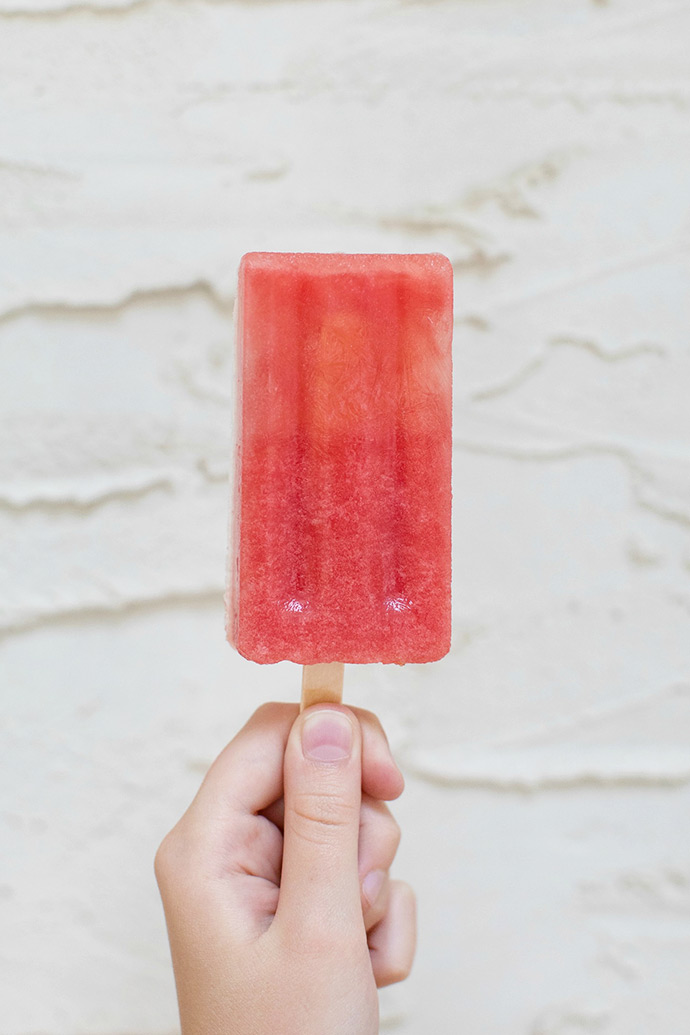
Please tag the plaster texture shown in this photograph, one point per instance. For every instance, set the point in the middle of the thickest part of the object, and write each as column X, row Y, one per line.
column 144, row 146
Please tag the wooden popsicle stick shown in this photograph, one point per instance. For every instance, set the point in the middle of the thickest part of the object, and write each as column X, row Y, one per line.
column 322, row 684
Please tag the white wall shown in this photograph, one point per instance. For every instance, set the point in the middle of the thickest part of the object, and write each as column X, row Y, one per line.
column 545, row 147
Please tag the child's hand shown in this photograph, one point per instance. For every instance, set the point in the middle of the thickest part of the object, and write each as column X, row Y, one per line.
column 281, row 914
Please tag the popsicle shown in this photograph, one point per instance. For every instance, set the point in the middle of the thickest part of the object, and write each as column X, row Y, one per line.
column 341, row 533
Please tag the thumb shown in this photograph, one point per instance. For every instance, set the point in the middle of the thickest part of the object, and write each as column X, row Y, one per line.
column 319, row 885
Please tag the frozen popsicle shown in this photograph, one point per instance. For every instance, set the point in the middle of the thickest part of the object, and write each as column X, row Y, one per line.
column 341, row 540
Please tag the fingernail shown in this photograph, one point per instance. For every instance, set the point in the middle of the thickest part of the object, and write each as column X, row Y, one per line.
column 327, row 736
column 372, row 884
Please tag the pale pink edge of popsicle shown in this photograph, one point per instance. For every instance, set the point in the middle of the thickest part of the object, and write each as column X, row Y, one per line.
column 233, row 560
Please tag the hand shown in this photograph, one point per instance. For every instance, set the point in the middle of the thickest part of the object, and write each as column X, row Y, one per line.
column 280, row 911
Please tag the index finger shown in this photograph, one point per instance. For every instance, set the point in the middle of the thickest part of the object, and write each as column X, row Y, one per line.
column 247, row 776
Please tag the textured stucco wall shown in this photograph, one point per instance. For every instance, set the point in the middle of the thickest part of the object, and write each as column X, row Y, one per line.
column 545, row 147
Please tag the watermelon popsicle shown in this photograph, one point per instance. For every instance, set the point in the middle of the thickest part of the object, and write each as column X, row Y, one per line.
column 341, row 528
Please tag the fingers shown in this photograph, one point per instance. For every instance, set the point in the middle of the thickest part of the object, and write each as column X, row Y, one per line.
column 340, row 839
column 381, row 777
column 393, row 940
column 379, row 834
column 248, row 773
column 319, row 889
column 246, row 776
column 375, row 897
column 379, row 838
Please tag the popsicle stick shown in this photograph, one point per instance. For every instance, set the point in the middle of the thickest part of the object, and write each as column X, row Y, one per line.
column 322, row 684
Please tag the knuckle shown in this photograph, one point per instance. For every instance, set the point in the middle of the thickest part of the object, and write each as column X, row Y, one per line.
column 393, row 832
column 388, row 834
column 367, row 716
column 176, row 855
column 398, row 971
column 405, row 894
column 164, row 859
column 319, row 814
column 371, row 720
column 264, row 710
column 269, row 710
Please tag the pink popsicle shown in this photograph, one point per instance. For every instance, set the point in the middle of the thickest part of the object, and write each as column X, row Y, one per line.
column 341, row 540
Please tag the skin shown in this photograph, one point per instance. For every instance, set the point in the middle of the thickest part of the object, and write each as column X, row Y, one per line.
column 281, row 913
